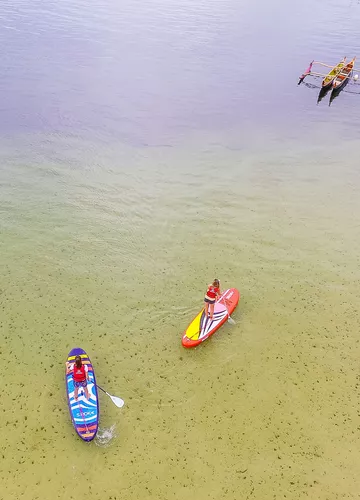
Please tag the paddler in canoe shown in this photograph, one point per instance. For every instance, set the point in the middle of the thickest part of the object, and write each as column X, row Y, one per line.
column 212, row 293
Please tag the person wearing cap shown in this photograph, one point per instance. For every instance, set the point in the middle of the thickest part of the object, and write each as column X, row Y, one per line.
column 212, row 293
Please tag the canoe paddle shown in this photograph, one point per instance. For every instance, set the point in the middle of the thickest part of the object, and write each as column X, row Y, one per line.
column 117, row 401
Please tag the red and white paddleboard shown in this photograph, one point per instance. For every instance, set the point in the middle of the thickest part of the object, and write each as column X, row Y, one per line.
column 202, row 327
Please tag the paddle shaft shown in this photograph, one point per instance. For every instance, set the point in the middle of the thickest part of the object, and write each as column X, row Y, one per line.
column 102, row 389
column 221, row 298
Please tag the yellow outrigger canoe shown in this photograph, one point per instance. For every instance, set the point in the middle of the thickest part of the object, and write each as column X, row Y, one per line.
column 330, row 77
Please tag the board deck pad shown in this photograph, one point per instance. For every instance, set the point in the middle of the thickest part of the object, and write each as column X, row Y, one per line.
column 203, row 327
column 84, row 413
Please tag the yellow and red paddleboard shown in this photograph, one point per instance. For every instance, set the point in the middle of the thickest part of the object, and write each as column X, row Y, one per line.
column 202, row 327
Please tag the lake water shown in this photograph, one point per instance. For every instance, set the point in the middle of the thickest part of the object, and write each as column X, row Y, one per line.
column 146, row 148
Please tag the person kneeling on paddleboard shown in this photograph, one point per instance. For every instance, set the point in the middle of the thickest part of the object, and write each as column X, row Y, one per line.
column 212, row 293
column 80, row 377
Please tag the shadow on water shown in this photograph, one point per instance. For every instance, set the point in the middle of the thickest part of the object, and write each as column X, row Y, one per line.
column 336, row 92
column 323, row 92
column 311, row 85
column 354, row 88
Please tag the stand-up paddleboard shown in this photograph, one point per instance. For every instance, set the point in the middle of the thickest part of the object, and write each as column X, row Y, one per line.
column 202, row 327
column 84, row 413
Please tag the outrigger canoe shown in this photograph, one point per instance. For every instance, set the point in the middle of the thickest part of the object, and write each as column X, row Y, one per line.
column 330, row 77
column 202, row 327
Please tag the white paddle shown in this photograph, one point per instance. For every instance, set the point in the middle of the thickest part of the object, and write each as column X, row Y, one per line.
column 231, row 321
column 117, row 401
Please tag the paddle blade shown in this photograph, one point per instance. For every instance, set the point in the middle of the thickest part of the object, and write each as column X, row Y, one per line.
column 117, row 401
column 231, row 321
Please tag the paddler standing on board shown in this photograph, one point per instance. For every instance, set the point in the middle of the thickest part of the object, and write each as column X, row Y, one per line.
column 80, row 376
column 212, row 293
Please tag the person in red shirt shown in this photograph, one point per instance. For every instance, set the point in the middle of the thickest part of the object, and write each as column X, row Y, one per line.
column 80, row 376
column 212, row 293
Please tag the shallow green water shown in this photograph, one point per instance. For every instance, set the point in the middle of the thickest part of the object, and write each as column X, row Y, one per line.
column 115, row 258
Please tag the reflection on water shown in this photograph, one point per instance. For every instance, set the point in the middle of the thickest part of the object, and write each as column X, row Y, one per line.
column 323, row 92
column 336, row 92
column 350, row 87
